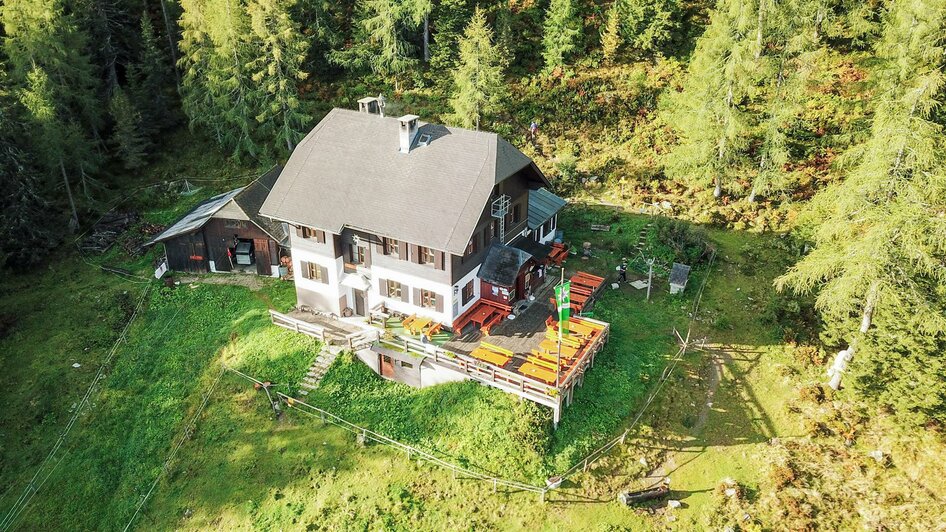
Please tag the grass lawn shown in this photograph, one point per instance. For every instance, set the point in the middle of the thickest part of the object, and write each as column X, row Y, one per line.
column 240, row 469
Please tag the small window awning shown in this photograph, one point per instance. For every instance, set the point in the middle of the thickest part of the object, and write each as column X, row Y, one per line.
column 356, row 281
column 502, row 264
column 543, row 205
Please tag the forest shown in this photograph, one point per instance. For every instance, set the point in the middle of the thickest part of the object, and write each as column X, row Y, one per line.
column 818, row 121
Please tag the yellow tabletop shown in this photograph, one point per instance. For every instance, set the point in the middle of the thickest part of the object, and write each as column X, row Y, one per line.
column 551, row 347
column 538, row 372
column 489, row 356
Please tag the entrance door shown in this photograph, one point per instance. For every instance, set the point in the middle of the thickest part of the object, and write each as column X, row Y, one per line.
column 386, row 366
column 361, row 302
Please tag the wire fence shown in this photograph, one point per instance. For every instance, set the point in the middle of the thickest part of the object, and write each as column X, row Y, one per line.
column 47, row 466
column 369, row 435
column 186, row 433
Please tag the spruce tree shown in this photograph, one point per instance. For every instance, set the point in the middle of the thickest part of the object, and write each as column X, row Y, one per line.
column 478, row 76
column 562, row 33
column 279, row 50
column 649, row 25
column 150, row 81
column 880, row 235
column 128, row 137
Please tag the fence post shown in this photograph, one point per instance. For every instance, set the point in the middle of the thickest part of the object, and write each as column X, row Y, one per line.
column 542, row 496
column 585, row 467
column 623, row 437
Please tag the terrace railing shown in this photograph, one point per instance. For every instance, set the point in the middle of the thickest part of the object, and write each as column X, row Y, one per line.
column 293, row 324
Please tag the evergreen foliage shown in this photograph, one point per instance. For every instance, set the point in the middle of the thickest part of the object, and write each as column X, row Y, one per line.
column 562, row 33
column 129, row 136
column 611, row 35
column 649, row 25
column 150, row 81
column 478, row 77
column 880, row 234
column 279, row 51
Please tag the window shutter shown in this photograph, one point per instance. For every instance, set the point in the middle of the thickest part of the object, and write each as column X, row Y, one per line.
column 320, row 236
column 439, row 260
column 439, row 302
column 415, row 253
column 417, row 300
column 382, row 246
column 367, row 256
column 405, row 293
column 402, row 250
column 383, row 287
column 299, row 231
column 324, row 274
column 305, row 269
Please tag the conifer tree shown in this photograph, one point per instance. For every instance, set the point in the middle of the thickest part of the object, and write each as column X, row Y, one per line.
column 380, row 41
column 128, row 136
column 150, row 80
column 880, row 235
column 611, row 34
column 562, row 33
column 216, row 82
column 649, row 25
column 709, row 114
column 279, row 50
column 478, row 76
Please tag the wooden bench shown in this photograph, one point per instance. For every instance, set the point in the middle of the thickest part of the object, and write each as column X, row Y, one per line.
column 538, row 361
column 432, row 330
column 408, row 322
column 490, row 322
column 497, row 349
column 551, row 347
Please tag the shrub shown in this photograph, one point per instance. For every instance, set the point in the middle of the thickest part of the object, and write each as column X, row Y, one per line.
column 814, row 393
column 690, row 245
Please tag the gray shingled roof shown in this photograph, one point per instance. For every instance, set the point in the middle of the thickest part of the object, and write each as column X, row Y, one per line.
column 348, row 172
column 501, row 265
column 542, row 206
column 196, row 218
column 251, row 198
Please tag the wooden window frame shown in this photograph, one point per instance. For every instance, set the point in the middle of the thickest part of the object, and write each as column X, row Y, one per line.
column 426, row 256
column 315, row 272
column 391, row 246
column 395, row 289
column 465, row 297
column 428, row 299
column 517, row 213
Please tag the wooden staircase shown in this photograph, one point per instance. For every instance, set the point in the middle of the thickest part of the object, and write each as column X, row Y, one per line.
column 318, row 368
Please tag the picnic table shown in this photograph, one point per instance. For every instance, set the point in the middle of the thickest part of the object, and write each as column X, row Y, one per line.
column 532, row 370
column 497, row 359
column 417, row 325
column 479, row 317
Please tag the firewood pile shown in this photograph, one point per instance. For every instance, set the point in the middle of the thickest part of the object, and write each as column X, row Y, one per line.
column 107, row 230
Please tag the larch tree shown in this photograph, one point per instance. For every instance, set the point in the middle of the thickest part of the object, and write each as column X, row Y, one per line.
column 880, row 234
column 611, row 39
column 709, row 114
column 150, row 80
column 561, row 33
column 479, row 75
column 279, row 50
column 380, row 43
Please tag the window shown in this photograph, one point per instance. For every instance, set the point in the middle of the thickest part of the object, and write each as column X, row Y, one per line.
column 357, row 254
column 308, row 232
column 428, row 299
column 468, row 292
column 407, row 365
column 470, row 248
column 516, row 213
column 313, row 271
column 234, row 224
column 426, row 255
column 394, row 289
column 391, row 246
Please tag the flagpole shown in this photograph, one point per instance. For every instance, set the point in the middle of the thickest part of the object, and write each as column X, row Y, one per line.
column 558, row 357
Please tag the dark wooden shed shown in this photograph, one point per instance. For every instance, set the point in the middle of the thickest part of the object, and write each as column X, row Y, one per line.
column 227, row 233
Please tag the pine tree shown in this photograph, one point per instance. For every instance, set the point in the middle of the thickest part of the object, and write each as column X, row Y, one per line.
column 479, row 75
column 450, row 18
column 709, row 114
column 611, row 35
column 128, row 137
column 562, row 33
column 279, row 50
column 880, row 235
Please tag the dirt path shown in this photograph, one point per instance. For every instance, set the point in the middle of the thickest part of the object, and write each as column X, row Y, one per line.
column 250, row 281
column 669, row 464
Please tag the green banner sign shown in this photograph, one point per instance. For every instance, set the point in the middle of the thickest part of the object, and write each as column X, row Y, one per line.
column 564, row 299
